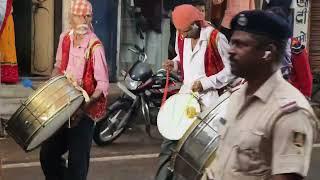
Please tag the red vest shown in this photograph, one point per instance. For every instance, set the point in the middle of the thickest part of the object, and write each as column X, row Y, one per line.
column 212, row 60
column 301, row 76
column 97, row 109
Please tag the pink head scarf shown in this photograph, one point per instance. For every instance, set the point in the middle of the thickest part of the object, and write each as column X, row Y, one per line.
column 81, row 7
column 185, row 15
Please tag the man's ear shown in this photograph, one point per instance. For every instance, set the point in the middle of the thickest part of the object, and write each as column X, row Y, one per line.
column 269, row 52
column 266, row 54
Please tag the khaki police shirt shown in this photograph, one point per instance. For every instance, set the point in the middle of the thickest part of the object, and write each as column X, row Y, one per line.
column 271, row 132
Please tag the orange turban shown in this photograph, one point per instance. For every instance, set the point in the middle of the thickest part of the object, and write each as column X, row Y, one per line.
column 185, row 15
column 81, row 7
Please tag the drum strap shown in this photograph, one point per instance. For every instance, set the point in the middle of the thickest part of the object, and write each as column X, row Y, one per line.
column 98, row 109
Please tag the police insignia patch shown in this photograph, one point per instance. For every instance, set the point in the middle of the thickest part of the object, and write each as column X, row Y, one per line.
column 243, row 20
column 299, row 139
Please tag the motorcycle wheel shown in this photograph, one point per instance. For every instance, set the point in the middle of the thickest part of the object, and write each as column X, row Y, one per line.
column 104, row 132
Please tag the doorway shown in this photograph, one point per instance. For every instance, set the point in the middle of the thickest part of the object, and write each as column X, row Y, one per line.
column 35, row 19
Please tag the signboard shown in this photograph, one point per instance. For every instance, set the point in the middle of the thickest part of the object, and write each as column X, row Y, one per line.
column 301, row 20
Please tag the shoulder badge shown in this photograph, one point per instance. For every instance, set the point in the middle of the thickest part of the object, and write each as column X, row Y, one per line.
column 299, row 139
column 288, row 106
column 242, row 20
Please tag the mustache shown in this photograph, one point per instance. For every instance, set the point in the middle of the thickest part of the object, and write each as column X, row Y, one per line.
column 84, row 26
column 82, row 29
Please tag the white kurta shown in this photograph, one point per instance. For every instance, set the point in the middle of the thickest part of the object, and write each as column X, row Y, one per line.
column 194, row 69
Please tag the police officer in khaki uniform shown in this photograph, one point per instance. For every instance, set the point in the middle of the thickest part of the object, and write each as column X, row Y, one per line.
column 270, row 128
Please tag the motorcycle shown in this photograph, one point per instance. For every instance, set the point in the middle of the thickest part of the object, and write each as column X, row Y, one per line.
column 142, row 93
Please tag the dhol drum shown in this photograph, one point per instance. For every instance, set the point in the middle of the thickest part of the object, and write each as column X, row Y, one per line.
column 196, row 149
column 177, row 114
column 44, row 112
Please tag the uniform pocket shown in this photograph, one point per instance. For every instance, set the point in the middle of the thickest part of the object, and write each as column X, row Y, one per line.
column 222, row 131
column 248, row 156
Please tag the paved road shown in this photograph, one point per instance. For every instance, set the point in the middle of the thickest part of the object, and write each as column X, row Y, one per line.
column 135, row 169
column 133, row 156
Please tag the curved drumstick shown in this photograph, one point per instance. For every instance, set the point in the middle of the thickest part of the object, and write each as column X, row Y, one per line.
column 165, row 91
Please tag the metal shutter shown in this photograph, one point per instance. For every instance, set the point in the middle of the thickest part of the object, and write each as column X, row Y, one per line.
column 314, row 43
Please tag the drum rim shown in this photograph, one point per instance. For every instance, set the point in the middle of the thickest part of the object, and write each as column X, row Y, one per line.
column 179, row 94
column 25, row 143
column 191, row 129
column 42, row 87
column 196, row 123
column 32, row 96
column 23, row 106
column 190, row 95
column 45, row 123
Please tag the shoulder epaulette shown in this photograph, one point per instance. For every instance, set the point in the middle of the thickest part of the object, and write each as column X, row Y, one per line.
column 288, row 105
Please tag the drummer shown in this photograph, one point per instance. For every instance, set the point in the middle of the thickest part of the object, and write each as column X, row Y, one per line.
column 270, row 128
column 204, row 68
column 81, row 56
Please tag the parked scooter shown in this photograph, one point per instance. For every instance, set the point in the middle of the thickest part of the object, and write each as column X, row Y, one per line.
column 142, row 92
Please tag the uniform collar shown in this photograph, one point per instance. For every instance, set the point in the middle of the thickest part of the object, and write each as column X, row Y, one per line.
column 265, row 91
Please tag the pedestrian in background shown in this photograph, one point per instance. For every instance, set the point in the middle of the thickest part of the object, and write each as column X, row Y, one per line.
column 8, row 57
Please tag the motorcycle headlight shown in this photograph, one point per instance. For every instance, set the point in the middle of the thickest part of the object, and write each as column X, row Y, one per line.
column 131, row 84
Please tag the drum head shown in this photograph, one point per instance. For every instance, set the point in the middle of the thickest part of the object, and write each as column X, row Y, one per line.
column 196, row 150
column 54, row 124
column 44, row 112
column 177, row 115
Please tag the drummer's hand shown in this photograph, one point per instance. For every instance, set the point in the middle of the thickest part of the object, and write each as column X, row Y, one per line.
column 95, row 96
column 209, row 174
column 197, row 87
column 168, row 65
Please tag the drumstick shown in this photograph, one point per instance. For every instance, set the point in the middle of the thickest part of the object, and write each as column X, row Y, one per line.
column 165, row 91
column 198, row 97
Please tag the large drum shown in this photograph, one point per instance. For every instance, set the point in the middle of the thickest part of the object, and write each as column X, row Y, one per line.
column 196, row 149
column 44, row 112
column 177, row 114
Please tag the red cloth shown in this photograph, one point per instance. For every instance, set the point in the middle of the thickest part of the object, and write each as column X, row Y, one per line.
column 213, row 62
column 97, row 109
column 301, row 77
column 66, row 42
column 9, row 73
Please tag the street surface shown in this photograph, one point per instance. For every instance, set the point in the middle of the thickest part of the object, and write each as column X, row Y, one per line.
column 132, row 157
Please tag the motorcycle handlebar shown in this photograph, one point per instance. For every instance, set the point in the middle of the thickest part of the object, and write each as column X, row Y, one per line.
column 142, row 55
